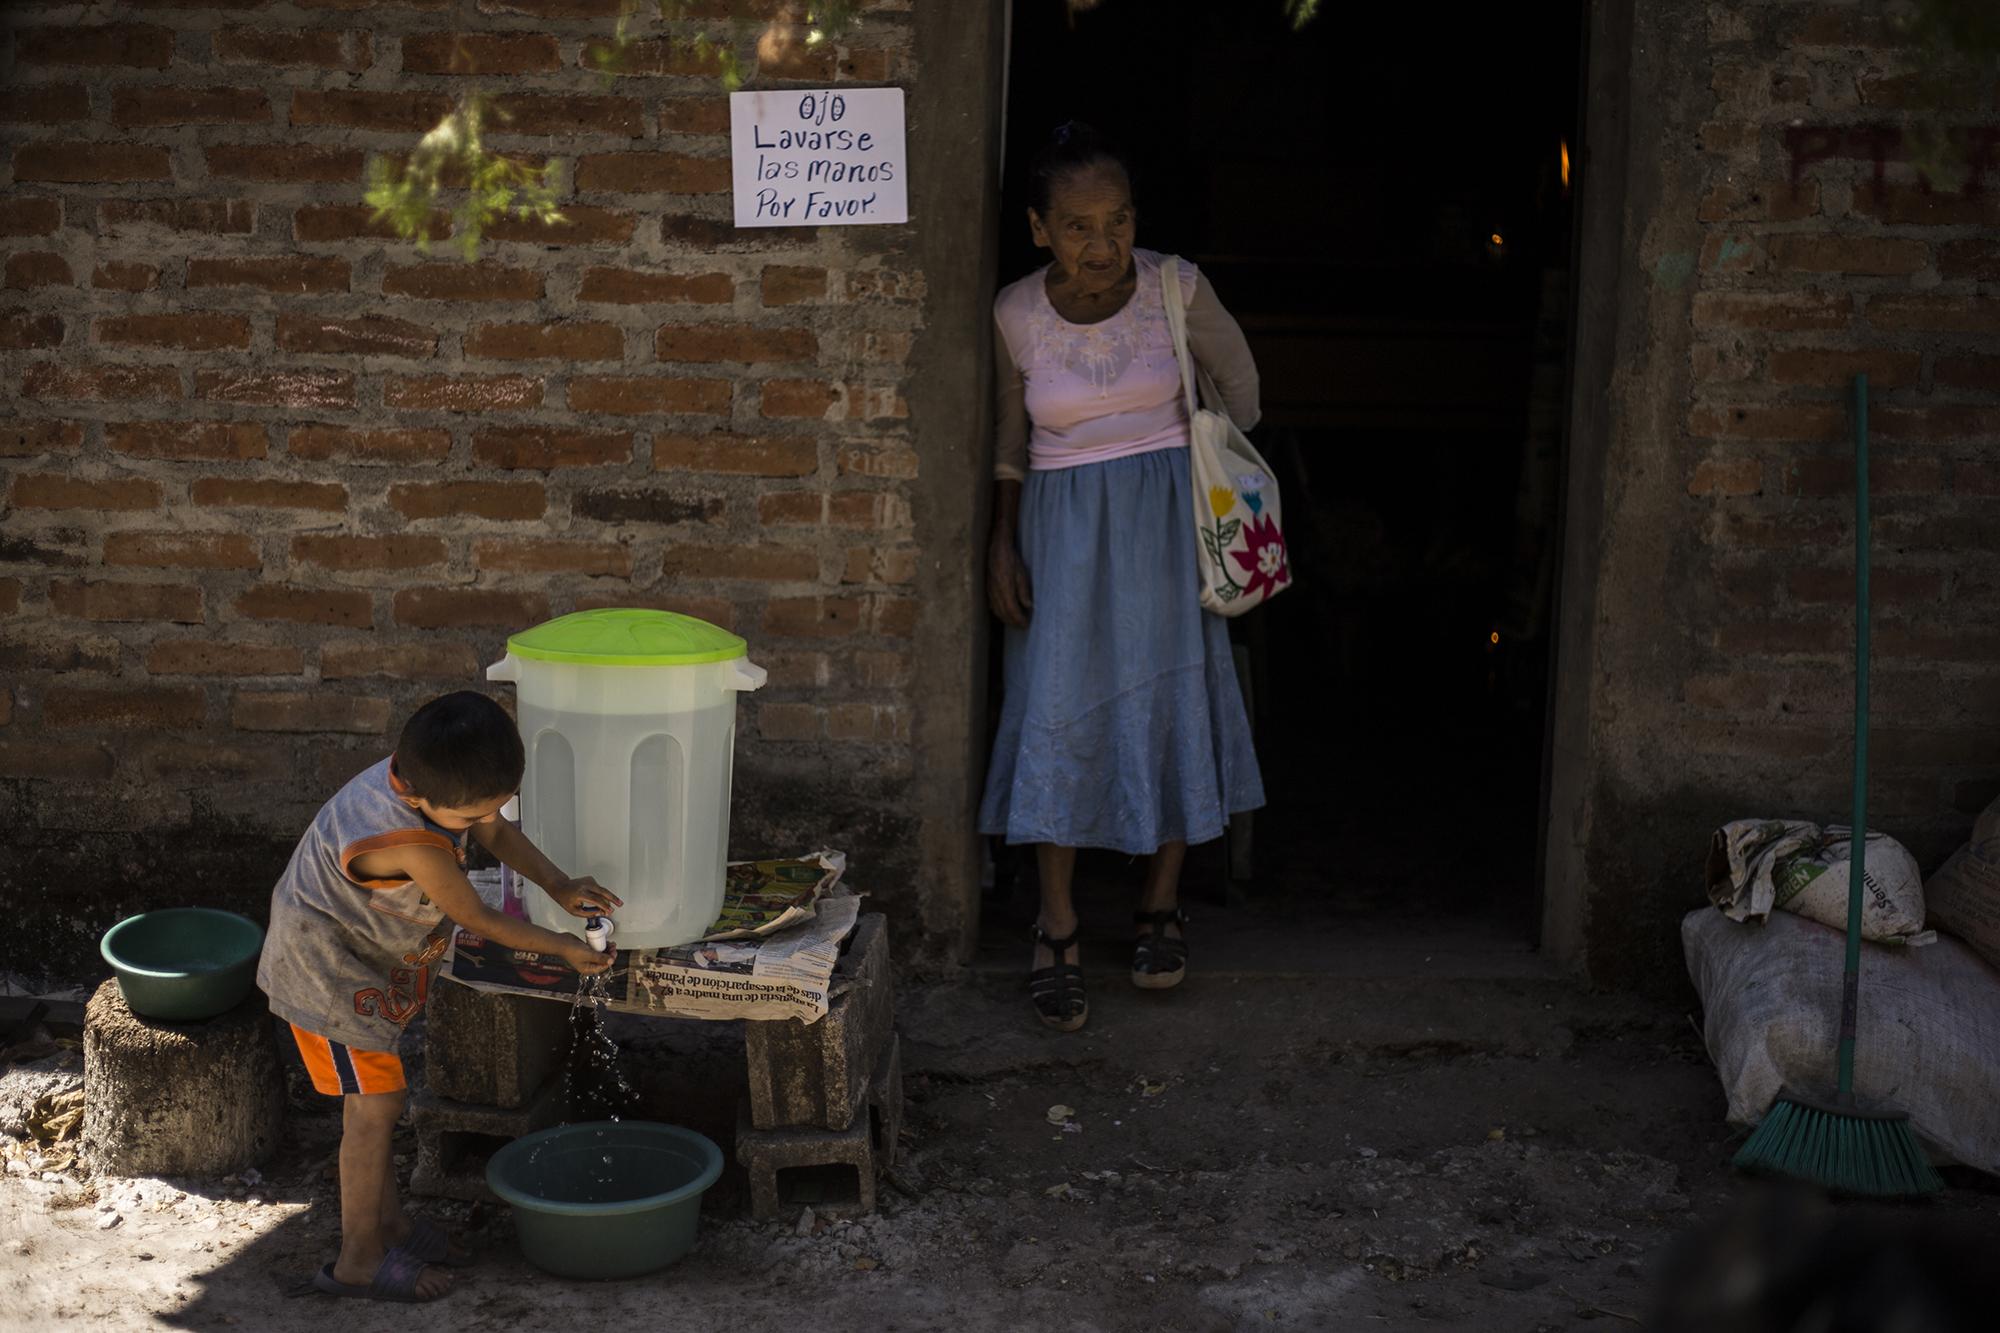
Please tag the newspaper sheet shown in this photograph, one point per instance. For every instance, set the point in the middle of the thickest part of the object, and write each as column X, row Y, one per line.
column 770, row 954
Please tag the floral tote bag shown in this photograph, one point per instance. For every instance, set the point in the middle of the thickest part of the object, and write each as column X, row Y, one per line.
column 1241, row 546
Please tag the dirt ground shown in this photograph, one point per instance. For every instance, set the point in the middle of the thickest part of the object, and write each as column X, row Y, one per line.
column 1250, row 1151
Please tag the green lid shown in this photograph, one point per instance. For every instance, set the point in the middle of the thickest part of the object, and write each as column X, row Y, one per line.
column 626, row 636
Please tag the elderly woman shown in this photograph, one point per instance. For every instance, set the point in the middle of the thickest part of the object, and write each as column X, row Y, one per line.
column 1122, row 726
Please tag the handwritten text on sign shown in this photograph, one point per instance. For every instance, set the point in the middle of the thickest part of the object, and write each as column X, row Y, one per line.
column 819, row 158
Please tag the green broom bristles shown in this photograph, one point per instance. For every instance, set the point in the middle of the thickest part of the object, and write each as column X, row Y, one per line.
column 1848, row 1152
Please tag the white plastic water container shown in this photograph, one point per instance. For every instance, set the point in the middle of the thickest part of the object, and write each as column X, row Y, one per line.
column 629, row 719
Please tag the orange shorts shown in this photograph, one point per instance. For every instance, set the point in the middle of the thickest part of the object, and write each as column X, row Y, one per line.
column 339, row 1070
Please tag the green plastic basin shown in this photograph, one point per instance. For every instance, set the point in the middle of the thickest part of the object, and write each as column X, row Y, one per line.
column 184, row 964
column 606, row 1198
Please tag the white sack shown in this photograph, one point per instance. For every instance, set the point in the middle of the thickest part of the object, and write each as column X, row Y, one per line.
column 1964, row 895
column 1928, row 1039
column 1755, row 865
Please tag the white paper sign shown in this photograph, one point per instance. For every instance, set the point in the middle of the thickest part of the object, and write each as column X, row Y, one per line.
column 819, row 157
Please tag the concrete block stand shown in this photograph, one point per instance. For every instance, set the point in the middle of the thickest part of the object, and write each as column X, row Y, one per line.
column 491, row 1049
column 817, row 1074
column 455, row 1139
column 831, row 1171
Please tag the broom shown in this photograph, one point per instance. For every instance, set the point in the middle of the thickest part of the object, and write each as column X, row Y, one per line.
column 1840, row 1144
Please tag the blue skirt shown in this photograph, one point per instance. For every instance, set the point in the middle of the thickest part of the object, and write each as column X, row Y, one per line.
column 1122, row 726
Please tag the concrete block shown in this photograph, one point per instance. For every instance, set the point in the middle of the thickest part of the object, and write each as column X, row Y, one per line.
column 455, row 1139
column 490, row 1049
column 831, row 1171
column 816, row 1075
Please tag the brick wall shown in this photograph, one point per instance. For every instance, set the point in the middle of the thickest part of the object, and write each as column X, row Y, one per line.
column 1775, row 240
column 273, row 478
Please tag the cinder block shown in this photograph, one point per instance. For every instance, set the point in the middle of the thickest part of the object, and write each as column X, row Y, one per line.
column 490, row 1049
column 455, row 1139
column 816, row 1075
column 831, row 1171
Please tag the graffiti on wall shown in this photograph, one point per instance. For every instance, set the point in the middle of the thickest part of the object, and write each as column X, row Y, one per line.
column 1879, row 145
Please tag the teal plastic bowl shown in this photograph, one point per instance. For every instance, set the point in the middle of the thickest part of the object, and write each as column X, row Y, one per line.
column 184, row 964
column 606, row 1198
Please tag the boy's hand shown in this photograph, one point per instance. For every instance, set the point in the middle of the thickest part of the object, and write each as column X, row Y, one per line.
column 586, row 960
column 586, row 897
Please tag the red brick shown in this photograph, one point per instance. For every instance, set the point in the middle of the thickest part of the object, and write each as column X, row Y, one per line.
column 812, row 617
column 35, row 757
column 1931, row 312
column 1727, row 477
column 737, row 455
column 219, row 492
column 22, row 438
column 554, row 9
column 317, row 48
column 48, row 104
column 398, row 661
column 188, row 441
column 796, row 670
column 881, row 671
column 651, row 56
column 207, row 657
column 548, row 555
column 500, row 500
column 41, row 490
column 1980, row 374
column 1887, row 586
column 127, row 45
column 352, row 554
column 545, row 447
column 1791, row 422
column 30, row 217
column 277, row 388
column 825, row 63
column 652, row 173
column 90, row 163
column 140, row 107
column 624, row 286
column 1773, row 311
column 126, row 710
column 469, row 608
column 347, row 608
column 10, row 596
column 823, row 401
column 205, row 762
column 791, row 507
column 463, row 282
column 317, row 711
column 1915, row 205
column 559, row 340
column 581, row 225
column 215, row 217
column 1926, row 644
column 704, row 236
column 1970, row 259
column 359, row 109
column 126, row 601
column 544, row 114
column 1722, row 363
column 694, row 115
column 1980, row 479
column 788, row 722
column 480, row 53
column 1837, row 366
column 893, row 617
column 1937, row 421
column 730, row 343
column 1884, row 256
column 1759, row 201
column 284, row 164
column 31, row 269
column 715, row 610
column 1835, row 476
column 182, row 550
column 46, row 379
column 787, row 285
column 188, row 332
column 621, row 505
column 295, row 274
column 341, row 443
column 355, row 222
column 629, row 395
column 886, row 284
column 773, row 564
column 867, row 722
column 464, row 393
column 368, row 335
column 117, row 275
column 21, row 332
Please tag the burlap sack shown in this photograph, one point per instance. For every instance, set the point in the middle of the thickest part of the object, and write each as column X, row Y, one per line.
column 1963, row 897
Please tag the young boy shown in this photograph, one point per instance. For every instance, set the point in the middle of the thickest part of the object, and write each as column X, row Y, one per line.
column 357, row 928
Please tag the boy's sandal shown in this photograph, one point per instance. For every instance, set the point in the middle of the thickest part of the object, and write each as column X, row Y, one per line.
column 1159, row 960
column 1057, row 990
column 428, row 1242
column 395, row 1280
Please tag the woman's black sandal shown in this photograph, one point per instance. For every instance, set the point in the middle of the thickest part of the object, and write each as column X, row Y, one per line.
column 1057, row 990
column 1159, row 960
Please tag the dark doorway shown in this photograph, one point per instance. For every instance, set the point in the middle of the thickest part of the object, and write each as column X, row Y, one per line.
column 1382, row 198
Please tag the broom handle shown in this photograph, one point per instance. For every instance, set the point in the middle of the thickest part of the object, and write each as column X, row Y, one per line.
column 1857, row 862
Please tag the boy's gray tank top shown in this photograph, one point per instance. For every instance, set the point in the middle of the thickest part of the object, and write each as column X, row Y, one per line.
column 352, row 959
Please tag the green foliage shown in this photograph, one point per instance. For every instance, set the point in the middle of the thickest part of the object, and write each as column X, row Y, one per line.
column 451, row 157
column 1301, row 12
